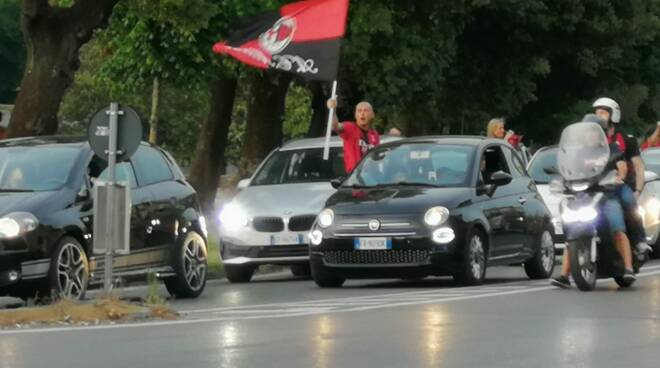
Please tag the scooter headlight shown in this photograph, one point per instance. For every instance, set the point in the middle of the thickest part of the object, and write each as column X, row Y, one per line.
column 584, row 214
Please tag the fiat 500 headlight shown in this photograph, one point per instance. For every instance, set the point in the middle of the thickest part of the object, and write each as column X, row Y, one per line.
column 436, row 216
column 16, row 224
column 326, row 218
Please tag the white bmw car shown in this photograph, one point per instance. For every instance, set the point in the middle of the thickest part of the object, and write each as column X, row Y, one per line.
column 269, row 219
column 546, row 159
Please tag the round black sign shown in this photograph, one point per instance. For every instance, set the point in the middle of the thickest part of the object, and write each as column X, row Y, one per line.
column 129, row 132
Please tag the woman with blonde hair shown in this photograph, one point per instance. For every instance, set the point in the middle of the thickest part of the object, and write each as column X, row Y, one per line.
column 495, row 129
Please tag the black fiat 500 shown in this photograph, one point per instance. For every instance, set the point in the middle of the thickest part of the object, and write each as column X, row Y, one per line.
column 46, row 219
column 433, row 206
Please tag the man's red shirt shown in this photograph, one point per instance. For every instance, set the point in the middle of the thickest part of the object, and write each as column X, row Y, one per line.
column 357, row 143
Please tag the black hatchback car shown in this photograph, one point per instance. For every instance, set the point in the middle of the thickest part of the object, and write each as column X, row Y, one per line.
column 46, row 218
column 433, row 206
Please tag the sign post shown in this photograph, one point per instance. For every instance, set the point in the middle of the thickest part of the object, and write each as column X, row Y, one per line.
column 114, row 135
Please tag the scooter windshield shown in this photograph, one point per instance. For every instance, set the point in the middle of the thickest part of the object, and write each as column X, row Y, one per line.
column 583, row 152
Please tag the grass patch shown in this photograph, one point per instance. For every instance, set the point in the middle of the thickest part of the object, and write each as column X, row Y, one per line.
column 215, row 268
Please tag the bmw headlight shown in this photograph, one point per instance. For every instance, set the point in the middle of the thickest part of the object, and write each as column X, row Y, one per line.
column 652, row 207
column 584, row 214
column 232, row 217
column 326, row 218
column 436, row 216
column 16, row 224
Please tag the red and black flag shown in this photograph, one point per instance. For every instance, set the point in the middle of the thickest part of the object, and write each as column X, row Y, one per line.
column 301, row 38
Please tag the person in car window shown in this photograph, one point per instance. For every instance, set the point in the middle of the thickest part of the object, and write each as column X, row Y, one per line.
column 358, row 136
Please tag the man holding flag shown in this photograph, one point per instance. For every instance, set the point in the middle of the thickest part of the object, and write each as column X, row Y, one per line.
column 358, row 137
column 301, row 38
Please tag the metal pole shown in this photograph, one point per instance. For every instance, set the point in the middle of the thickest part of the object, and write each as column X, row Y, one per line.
column 112, row 162
column 328, row 131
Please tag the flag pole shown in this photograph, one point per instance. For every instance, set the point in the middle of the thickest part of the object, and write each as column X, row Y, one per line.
column 328, row 131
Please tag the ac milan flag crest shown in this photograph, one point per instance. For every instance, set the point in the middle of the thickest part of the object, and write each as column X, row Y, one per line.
column 301, row 38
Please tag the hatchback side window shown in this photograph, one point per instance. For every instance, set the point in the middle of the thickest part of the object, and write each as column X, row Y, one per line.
column 150, row 166
column 517, row 168
column 123, row 173
column 492, row 161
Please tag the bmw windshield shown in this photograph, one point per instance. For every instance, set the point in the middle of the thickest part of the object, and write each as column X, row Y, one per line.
column 543, row 162
column 35, row 169
column 423, row 164
column 300, row 166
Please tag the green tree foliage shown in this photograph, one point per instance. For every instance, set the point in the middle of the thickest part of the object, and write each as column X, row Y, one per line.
column 12, row 49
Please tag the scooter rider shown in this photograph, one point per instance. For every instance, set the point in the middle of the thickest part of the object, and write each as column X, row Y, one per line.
column 609, row 111
column 613, row 213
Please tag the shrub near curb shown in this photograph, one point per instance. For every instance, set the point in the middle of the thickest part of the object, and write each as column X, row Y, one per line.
column 68, row 312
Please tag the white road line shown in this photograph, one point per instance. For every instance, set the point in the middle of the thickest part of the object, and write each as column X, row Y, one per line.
column 286, row 315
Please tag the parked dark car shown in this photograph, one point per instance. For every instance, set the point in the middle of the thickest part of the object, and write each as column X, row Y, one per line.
column 433, row 206
column 46, row 219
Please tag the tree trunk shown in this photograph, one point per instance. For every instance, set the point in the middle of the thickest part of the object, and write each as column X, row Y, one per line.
column 319, row 121
column 209, row 161
column 263, row 131
column 153, row 119
column 53, row 37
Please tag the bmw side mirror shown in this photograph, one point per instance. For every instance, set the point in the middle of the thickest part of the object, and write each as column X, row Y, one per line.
column 243, row 184
column 650, row 176
column 336, row 183
column 552, row 170
column 500, row 178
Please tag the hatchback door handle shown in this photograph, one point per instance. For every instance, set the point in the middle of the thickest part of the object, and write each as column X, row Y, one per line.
column 522, row 200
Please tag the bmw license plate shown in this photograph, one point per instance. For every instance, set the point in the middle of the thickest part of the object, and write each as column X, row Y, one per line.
column 289, row 239
column 372, row 243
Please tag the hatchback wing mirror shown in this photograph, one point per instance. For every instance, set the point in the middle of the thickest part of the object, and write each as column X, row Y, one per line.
column 243, row 184
column 500, row 178
column 552, row 170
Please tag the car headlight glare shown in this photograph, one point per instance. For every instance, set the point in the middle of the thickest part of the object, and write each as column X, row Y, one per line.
column 579, row 187
column 584, row 214
column 232, row 217
column 436, row 216
column 203, row 227
column 652, row 207
column 444, row 235
column 326, row 218
column 316, row 237
column 17, row 223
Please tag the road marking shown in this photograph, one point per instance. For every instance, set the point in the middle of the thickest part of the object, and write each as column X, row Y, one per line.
column 304, row 310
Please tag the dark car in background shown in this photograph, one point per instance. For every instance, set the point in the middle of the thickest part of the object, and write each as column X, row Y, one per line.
column 46, row 219
column 433, row 206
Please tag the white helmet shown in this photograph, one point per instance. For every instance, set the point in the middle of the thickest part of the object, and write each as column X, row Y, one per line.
column 611, row 106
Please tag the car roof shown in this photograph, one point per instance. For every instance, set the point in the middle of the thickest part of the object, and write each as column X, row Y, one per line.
column 80, row 141
column 463, row 140
column 319, row 142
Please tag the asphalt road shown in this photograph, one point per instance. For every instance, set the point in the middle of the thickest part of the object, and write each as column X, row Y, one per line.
column 280, row 321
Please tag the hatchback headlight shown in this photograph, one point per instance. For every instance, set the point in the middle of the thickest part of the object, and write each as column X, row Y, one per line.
column 16, row 224
column 326, row 218
column 436, row 216
column 232, row 217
